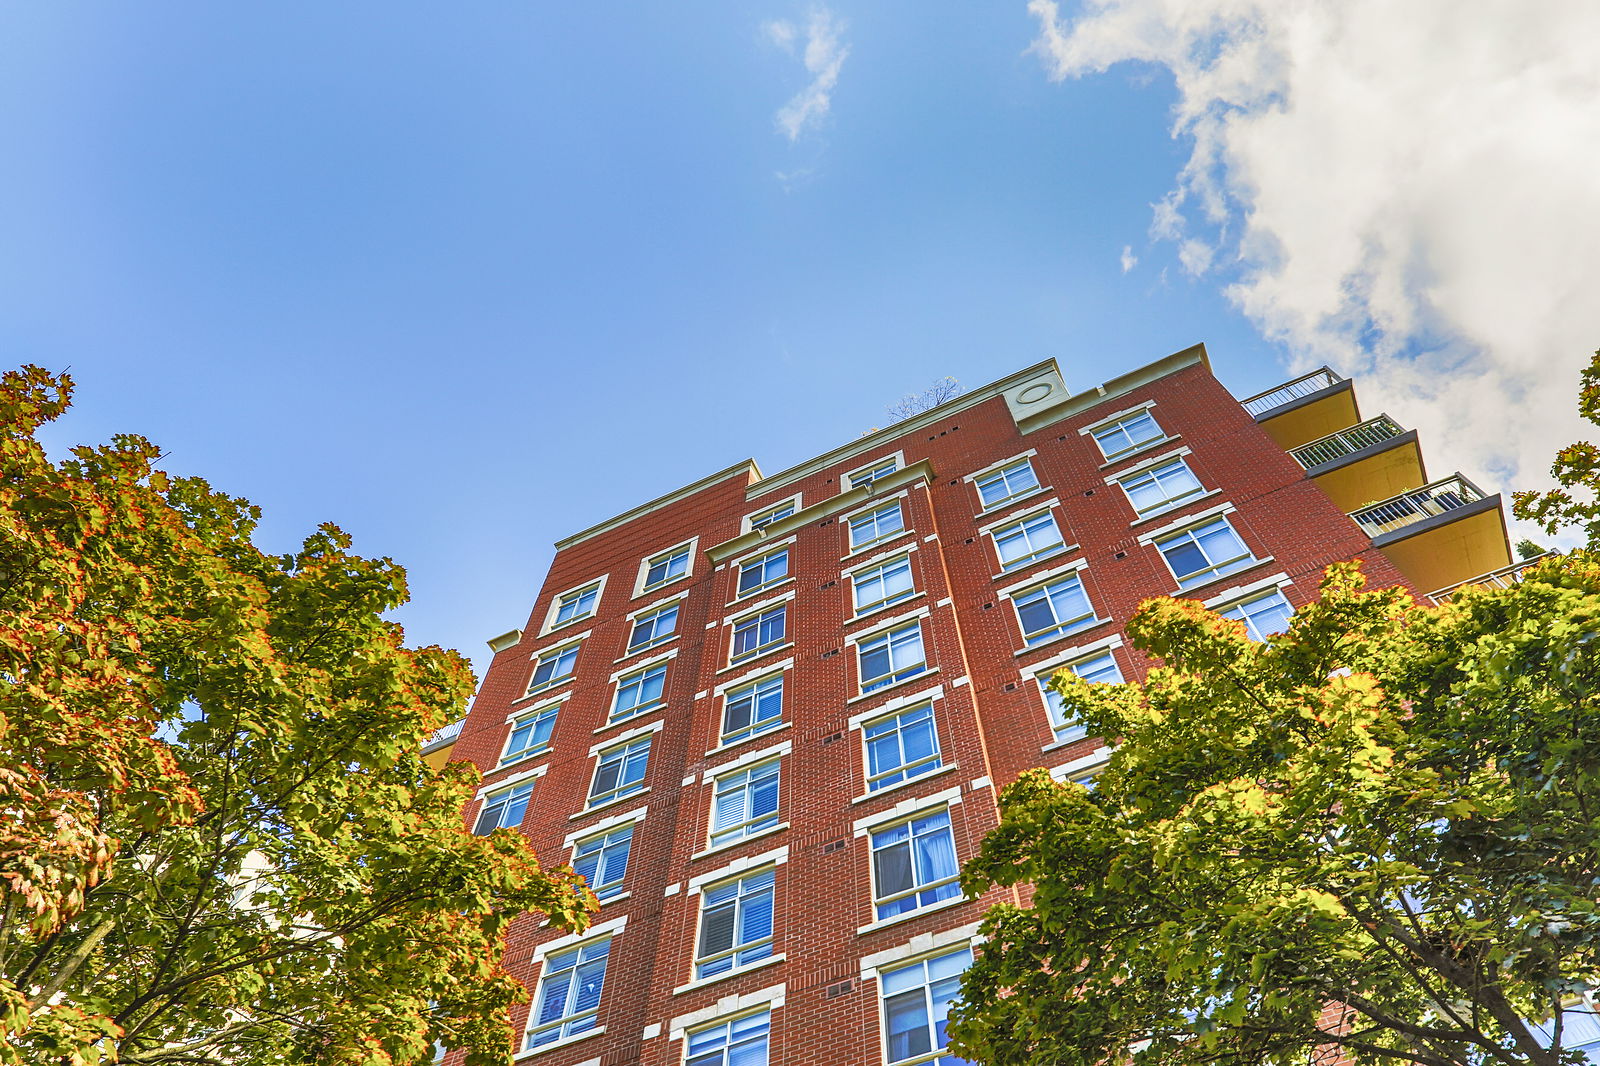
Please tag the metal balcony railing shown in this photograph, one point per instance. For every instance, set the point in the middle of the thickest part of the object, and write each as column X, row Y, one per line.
column 1504, row 577
column 1290, row 391
column 444, row 735
column 1346, row 441
column 1397, row 512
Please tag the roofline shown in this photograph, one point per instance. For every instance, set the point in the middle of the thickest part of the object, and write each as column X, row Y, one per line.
column 747, row 467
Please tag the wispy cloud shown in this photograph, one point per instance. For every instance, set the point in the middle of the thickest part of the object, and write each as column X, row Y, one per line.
column 823, row 53
column 1405, row 191
column 1129, row 260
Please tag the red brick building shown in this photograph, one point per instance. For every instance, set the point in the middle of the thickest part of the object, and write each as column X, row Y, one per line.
column 768, row 716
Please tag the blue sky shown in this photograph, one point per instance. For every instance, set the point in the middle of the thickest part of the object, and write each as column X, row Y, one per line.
column 466, row 279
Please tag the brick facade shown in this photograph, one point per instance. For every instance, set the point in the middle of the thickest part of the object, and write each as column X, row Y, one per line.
column 828, row 943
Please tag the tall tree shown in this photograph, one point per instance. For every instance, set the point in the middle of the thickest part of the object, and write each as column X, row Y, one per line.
column 1375, row 836
column 1577, row 466
column 219, row 843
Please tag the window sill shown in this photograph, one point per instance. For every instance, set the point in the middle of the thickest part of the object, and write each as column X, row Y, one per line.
column 878, row 609
column 717, row 849
column 1021, row 497
column 568, row 624
column 747, row 660
column 612, row 802
column 563, row 1042
column 730, row 745
column 520, row 759
column 1134, row 453
column 1180, row 505
column 926, row 775
column 701, row 982
column 884, row 923
column 653, row 645
column 618, row 898
column 880, row 542
column 758, row 590
column 1056, row 553
column 1190, row 590
column 1057, row 745
column 634, row 717
column 890, row 688
column 544, row 690
column 1094, row 623
column 645, row 590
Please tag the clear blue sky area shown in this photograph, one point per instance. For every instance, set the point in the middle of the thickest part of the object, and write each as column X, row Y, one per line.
column 464, row 279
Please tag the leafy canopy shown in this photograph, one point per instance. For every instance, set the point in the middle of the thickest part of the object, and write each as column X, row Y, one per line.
column 1376, row 835
column 1577, row 466
column 219, row 842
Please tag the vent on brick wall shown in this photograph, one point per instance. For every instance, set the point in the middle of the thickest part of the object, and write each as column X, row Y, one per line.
column 1088, row 492
column 1010, row 686
column 1062, row 437
column 1120, row 555
column 956, row 481
column 987, row 606
column 835, row 845
column 829, row 654
column 831, row 737
column 970, row 540
column 843, row 988
column 827, row 584
column 826, row 522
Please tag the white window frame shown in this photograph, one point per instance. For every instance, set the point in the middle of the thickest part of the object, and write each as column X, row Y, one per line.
column 756, row 616
column 1243, row 602
column 555, row 651
column 996, row 532
column 759, row 520
column 877, row 508
column 930, row 1008
column 644, row 584
column 508, row 796
column 1215, row 571
column 725, row 1049
column 1063, row 627
column 893, row 677
column 598, row 585
column 608, row 889
column 879, row 565
column 905, row 770
column 1115, row 421
column 895, row 461
column 563, row 1025
column 751, row 824
column 736, row 950
column 881, row 900
column 752, row 687
column 998, row 472
column 651, row 612
column 627, row 748
column 552, row 708
column 785, row 548
column 1152, row 471
column 1070, row 730
column 618, row 713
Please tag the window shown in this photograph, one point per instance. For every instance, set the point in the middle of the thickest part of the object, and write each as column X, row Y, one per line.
column 620, row 771
column 1207, row 551
column 763, row 519
column 503, row 809
column 668, row 566
column 1161, row 487
column 1009, row 482
column 1098, row 669
column 1127, row 434
column 892, row 657
column 569, row 993
column 740, row 1042
column 1262, row 615
column 914, row 865
column 576, row 605
column 530, row 734
column 639, row 692
column 916, row 1002
column 746, row 802
column 881, row 585
column 1024, row 541
column 735, row 924
column 753, row 708
column 553, row 667
column 602, row 861
column 870, row 526
column 1054, row 610
column 654, row 627
column 768, row 570
column 759, row 632
column 901, row 746
column 873, row 472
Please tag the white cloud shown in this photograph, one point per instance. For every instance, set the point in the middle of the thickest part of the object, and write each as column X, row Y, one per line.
column 824, row 55
column 1410, row 192
column 1129, row 260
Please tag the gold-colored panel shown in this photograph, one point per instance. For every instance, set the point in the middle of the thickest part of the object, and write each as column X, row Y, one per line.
column 437, row 759
column 1453, row 552
column 1302, row 425
column 1377, row 477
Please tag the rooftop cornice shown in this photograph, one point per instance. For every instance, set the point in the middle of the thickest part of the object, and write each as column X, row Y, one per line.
column 747, row 467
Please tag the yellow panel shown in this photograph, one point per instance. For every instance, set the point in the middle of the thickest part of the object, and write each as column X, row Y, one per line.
column 1456, row 551
column 1315, row 420
column 1377, row 477
column 437, row 759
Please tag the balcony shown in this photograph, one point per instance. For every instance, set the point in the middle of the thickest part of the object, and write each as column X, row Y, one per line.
column 1502, row 578
column 1440, row 534
column 436, row 749
column 1370, row 461
column 1304, row 410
